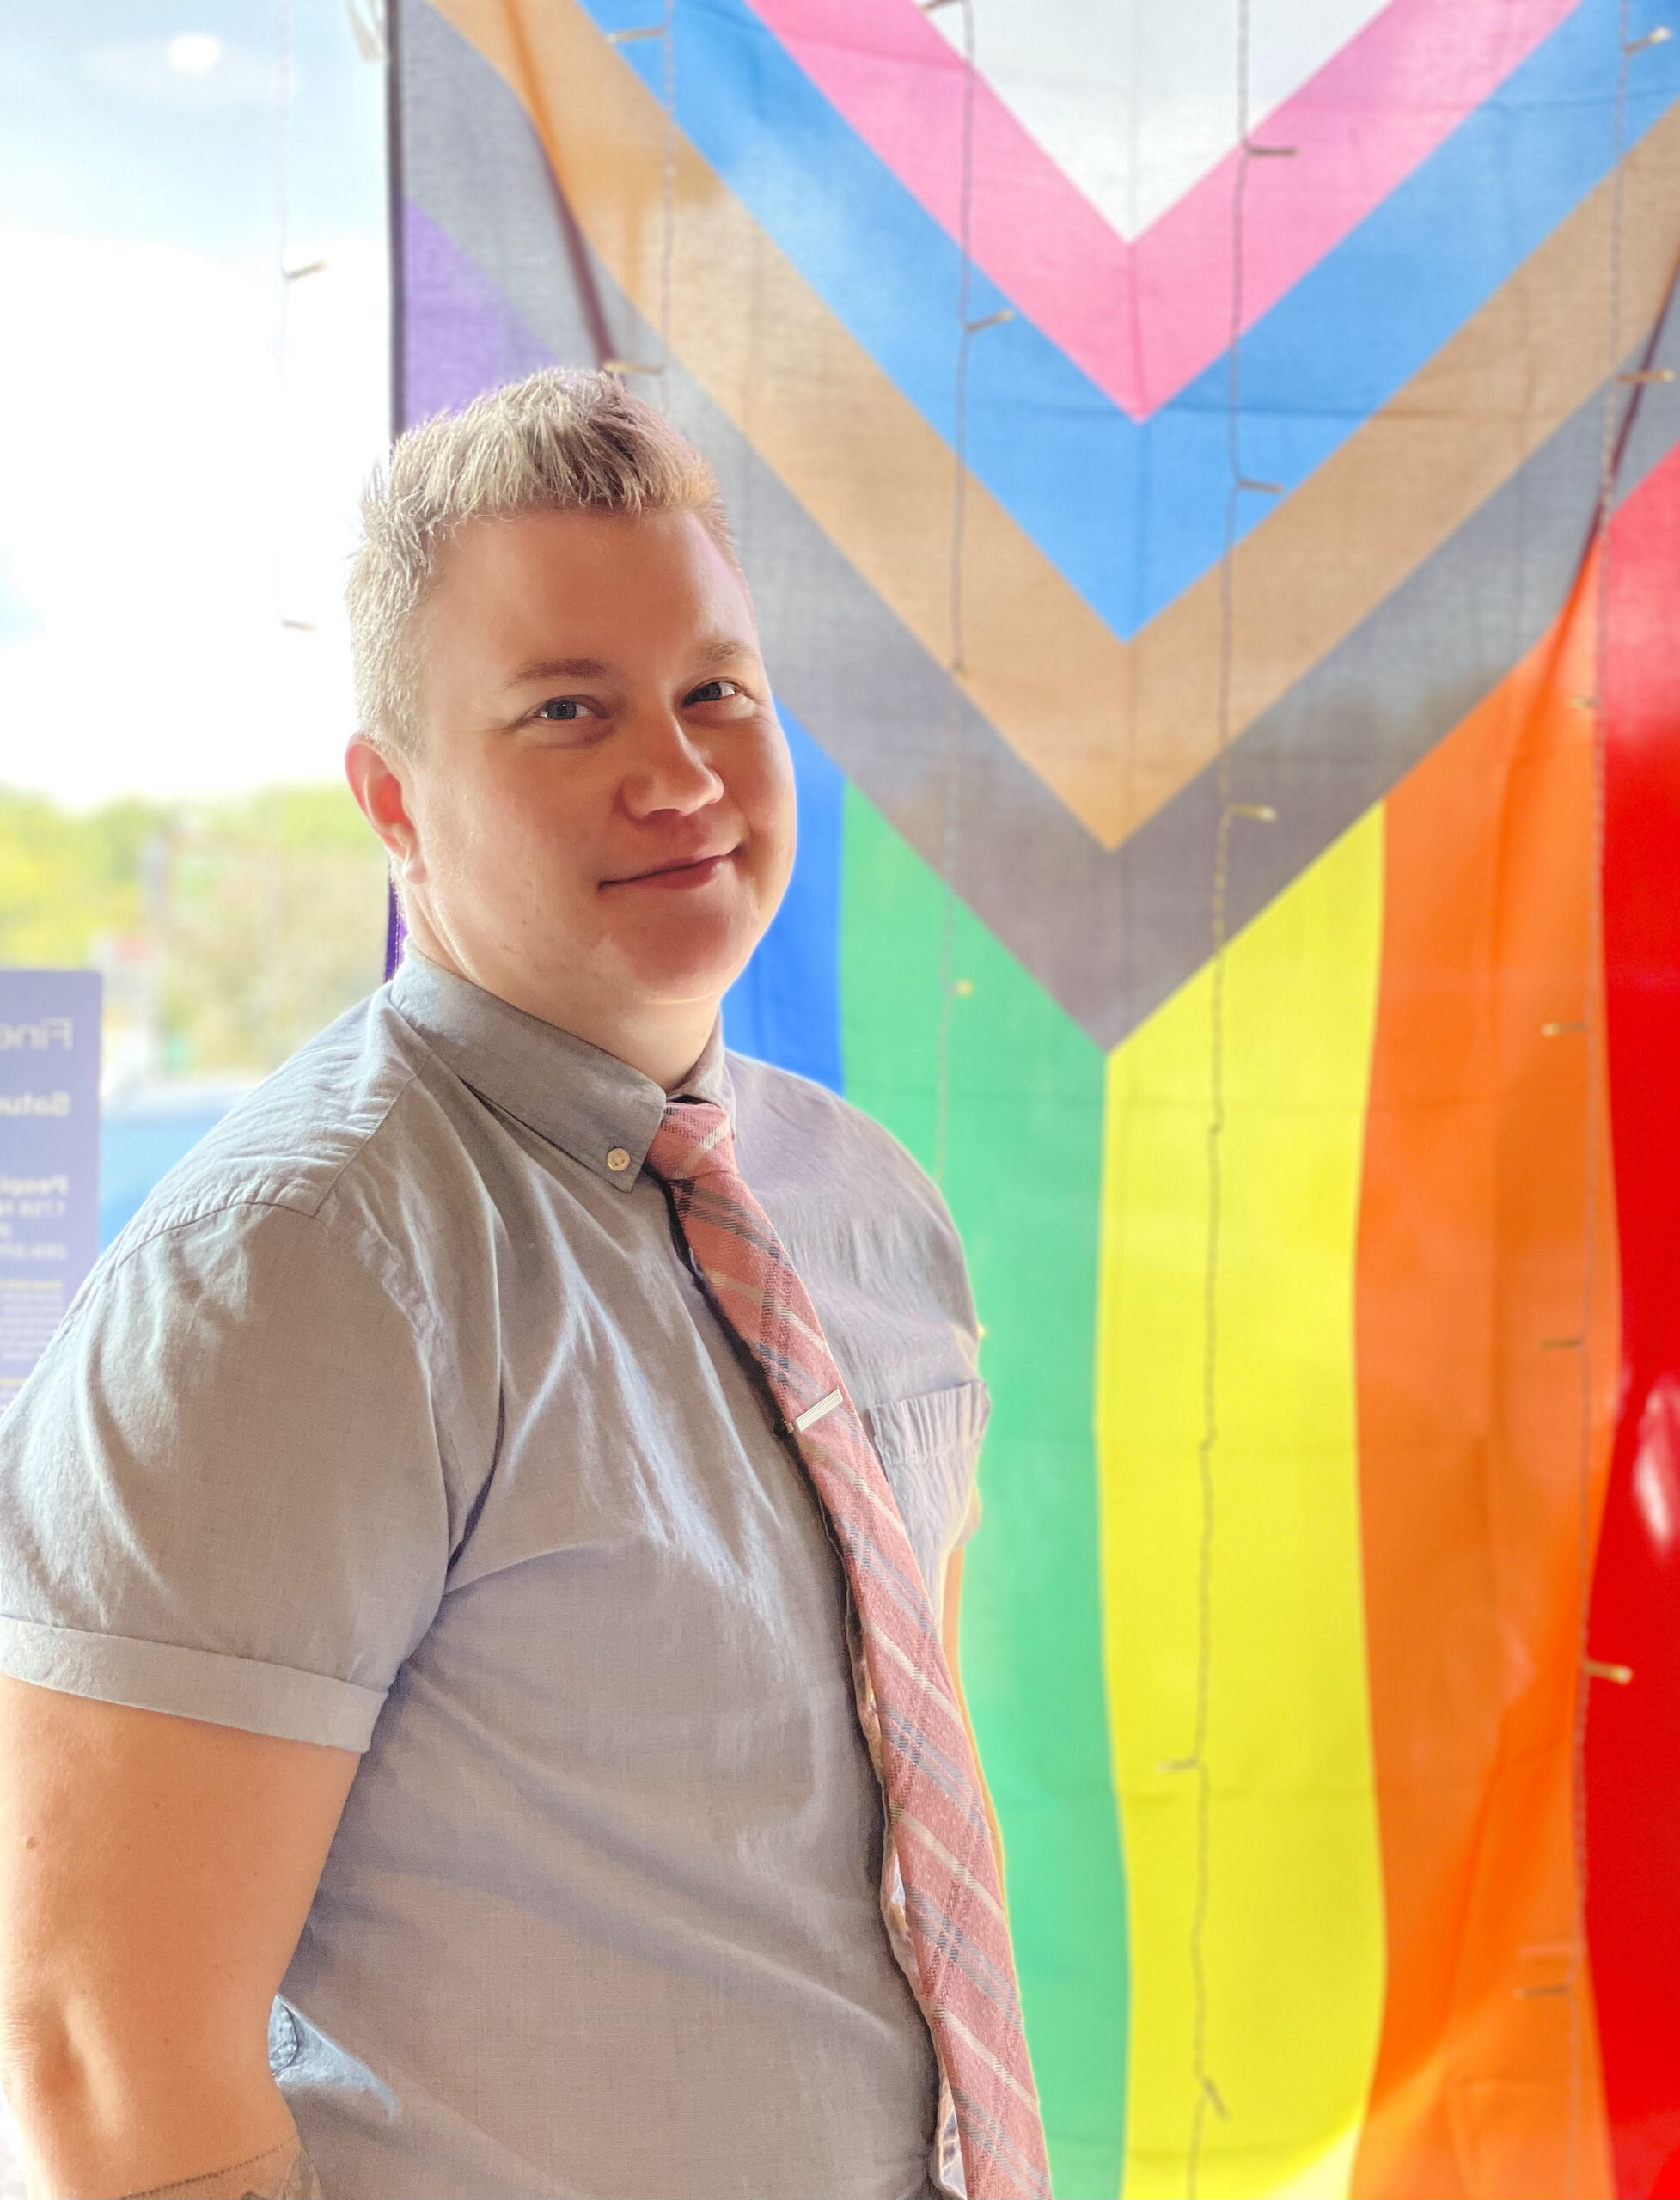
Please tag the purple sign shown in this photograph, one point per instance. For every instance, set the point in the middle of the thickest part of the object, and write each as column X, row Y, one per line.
column 49, row 1156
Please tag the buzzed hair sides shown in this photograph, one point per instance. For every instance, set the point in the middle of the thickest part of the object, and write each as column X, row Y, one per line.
column 562, row 440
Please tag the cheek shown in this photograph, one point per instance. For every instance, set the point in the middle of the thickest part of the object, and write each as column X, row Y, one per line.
column 523, row 837
column 502, row 851
column 765, row 794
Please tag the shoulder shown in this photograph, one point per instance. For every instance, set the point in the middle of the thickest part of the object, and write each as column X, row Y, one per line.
column 786, row 1124
column 856, row 1209
column 337, row 1137
column 869, row 1234
column 323, row 1260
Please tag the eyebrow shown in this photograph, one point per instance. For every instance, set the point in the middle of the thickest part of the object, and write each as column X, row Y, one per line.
column 724, row 649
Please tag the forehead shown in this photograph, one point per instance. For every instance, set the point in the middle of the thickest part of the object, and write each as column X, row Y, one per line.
column 581, row 578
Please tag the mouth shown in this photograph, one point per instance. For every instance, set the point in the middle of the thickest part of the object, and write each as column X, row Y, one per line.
column 673, row 878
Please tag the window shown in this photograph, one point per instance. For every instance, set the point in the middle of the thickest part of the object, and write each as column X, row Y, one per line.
column 196, row 384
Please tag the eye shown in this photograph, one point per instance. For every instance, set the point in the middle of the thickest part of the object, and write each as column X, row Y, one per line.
column 714, row 691
column 560, row 710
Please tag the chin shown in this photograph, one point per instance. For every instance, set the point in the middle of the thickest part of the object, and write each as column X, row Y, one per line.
column 685, row 963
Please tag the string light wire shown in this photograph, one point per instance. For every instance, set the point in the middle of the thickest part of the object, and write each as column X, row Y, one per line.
column 667, row 196
column 1205, row 2096
column 665, row 30
column 283, row 213
column 289, row 276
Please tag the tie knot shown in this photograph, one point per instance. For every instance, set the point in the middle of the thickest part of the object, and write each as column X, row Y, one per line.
column 694, row 1139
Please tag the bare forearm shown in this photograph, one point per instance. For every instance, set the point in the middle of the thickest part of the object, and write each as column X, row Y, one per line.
column 155, row 1875
column 93, row 2131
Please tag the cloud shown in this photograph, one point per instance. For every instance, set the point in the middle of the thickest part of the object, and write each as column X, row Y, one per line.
column 193, row 68
column 18, row 616
column 170, row 501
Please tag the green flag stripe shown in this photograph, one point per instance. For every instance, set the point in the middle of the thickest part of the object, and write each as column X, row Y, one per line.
column 1023, row 1178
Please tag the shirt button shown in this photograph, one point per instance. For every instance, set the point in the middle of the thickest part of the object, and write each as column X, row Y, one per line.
column 618, row 1160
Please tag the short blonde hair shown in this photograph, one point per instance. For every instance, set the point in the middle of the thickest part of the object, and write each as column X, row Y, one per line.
column 562, row 440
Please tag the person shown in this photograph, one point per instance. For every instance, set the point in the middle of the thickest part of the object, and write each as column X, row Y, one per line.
column 473, row 1559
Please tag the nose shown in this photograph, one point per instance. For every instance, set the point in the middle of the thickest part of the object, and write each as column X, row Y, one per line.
column 668, row 771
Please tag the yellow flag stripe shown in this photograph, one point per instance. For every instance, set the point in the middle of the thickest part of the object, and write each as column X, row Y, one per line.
column 1293, row 1940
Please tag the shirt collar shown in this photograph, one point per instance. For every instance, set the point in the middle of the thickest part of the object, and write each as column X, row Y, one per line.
column 588, row 1102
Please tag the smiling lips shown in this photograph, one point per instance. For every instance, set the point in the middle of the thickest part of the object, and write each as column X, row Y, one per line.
column 674, row 878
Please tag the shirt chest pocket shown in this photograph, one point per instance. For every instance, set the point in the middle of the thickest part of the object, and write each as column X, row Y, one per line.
column 930, row 1446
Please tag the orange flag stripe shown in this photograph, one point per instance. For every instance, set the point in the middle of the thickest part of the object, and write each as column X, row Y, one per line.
column 1477, row 1528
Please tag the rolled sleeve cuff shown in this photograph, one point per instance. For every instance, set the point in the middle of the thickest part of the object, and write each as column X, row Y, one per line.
column 277, row 1700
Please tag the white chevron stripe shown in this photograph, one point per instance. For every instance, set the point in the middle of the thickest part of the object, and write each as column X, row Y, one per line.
column 1133, row 100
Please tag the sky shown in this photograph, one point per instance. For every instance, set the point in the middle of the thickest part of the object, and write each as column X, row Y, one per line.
column 183, row 434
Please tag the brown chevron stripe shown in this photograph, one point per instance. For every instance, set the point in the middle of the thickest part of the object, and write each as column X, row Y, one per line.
column 1115, row 730
column 1109, row 934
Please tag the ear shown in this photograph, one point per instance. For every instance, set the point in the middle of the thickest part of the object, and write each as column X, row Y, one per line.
column 382, row 784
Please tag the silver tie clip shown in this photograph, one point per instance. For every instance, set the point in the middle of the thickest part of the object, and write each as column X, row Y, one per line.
column 812, row 1415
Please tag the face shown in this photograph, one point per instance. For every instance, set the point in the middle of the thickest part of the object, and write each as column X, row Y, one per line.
column 598, row 822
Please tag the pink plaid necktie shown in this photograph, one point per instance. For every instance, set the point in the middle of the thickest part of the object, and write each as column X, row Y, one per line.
column 964, row 1969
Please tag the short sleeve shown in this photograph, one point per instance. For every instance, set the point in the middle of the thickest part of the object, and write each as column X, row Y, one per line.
column 220, row 1493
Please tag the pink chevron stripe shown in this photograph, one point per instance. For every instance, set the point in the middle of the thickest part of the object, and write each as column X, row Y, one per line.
column 1145, row 318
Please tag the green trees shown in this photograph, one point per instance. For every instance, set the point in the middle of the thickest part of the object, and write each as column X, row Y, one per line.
column 227, row 930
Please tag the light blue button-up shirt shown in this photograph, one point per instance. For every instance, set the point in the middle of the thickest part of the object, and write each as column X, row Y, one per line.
column 396, row 1420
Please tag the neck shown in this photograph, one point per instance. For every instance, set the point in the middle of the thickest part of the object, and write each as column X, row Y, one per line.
column 663, row 1040
column 664, row 1045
